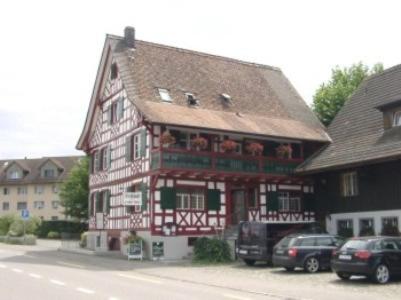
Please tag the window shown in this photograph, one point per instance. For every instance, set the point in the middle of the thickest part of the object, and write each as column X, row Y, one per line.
column 49, row 173
column 96, row 161
column 103, row 155
column 14, row 174
column 253, row 198
column 22, row 190
column 21, row 205
column 137, row 146
column 39, row 189
column 325, row 241
column 114, row 71
column 38, row 204
column 191, row 99
column 55, row 189
column 55, row 204
column 6, row 191
column 344, row 225
column 306, row 242
column 164, row 95
column 6, row 206
column 366, row 227
column 397, row 118
column 390, row 222
column 190, row 199
column 349, row 184
column 54, row 218
column 288, row 201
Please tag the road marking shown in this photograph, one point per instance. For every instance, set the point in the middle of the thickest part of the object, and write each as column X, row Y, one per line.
column 3, row 266
column 113, row 298
column 140, row 278
column 86, row 291
column 37, row 276
column 57, row 282
column 70, row 265
column 17, row 270
column 235, row 297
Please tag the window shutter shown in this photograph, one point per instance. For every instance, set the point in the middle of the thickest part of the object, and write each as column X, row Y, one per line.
column 143, row 143
column 97, row 200
column 213, row 199
column 144, row 190
column 108, row 157
column 107, row 195
column 128, row 148
column 272, row 201
column 110, row 115
column 167, row 198
column 309, row 202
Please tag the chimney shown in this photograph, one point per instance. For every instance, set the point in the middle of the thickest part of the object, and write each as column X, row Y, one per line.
column 129, row 36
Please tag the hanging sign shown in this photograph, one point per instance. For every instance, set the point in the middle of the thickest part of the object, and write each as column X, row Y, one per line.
column 133, row 198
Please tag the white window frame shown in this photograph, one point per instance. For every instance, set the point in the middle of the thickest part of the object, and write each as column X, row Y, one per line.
column 349, row 184
column 39, row 189
column 22, row 190
column 164, row 95
column 55, row 204
column 52, row 172
column 55, row 188
column 397, row 118
column 39, row 204
column 390, row 217
column 5, row 204
column 20, row 202
column 190, row 200
column 15, row 174
column 288, row 203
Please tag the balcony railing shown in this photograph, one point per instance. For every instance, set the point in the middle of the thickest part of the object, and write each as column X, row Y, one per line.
column 221, row 162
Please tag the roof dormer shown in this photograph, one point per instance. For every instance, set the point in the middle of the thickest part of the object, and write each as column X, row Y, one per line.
column 50, row 169
column 15, row 171
column 391, row 114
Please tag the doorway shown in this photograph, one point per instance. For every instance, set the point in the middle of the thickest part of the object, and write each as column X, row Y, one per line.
column 238, row 207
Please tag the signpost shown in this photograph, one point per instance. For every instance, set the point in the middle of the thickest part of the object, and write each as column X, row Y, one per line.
column 25, row 217
column 133, row 198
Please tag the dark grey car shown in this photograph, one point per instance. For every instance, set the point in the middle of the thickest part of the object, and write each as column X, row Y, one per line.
column 312, row 252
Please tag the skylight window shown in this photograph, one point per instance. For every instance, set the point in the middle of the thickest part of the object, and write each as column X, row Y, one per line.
column 191, row 99
column 164, row 95
column 226, row 97
column 397, row 118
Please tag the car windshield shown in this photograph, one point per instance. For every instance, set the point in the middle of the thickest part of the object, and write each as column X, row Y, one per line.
column 355, row 245
column 285, row 242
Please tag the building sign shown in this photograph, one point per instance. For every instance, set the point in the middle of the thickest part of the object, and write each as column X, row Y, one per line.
column 135, row 250
column 157, row 250
column 133, row 198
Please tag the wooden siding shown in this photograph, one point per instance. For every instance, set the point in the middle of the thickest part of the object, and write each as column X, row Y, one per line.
column 379, row 189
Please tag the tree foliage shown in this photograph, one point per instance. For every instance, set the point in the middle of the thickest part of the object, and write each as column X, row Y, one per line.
column 331, row 96
column 74, row 191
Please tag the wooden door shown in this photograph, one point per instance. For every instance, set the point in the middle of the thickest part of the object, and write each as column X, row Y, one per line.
column 238, row 208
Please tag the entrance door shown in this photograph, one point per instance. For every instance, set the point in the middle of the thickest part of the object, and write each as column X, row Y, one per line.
column 238, row 211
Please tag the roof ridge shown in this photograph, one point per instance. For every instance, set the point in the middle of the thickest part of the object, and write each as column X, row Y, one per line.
column 204, row 54
column 385, row 71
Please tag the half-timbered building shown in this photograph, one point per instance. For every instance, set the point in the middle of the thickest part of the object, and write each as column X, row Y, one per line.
column 184, row 144
column 357, row 177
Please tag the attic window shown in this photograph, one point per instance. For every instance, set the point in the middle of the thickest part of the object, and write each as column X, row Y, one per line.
column 226, row 97
column 114, row 71
column 397, row 118
column 164, row 95
column 191, row 99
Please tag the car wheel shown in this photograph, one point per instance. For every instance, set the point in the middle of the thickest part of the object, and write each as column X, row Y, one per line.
column 289, row 269
column 343, row 276
column 249, row 262
column 382, row 274
column 311, row 265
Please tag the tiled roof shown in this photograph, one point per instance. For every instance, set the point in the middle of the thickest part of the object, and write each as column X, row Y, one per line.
column 262, row 94
column 257, row 91
column 357, row 130
column 32, row 168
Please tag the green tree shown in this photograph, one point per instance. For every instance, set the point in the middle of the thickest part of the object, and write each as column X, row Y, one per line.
column 74, row 191
column 331, row 96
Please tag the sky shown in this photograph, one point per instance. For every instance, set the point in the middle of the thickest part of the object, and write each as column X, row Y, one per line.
column 50, row 51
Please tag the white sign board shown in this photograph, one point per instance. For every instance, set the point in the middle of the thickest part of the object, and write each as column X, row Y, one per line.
column 133, row 198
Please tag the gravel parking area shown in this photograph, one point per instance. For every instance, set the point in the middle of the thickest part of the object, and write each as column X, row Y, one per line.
column 277, row 283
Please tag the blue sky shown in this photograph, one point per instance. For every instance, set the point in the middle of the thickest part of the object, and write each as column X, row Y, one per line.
column 50, row 51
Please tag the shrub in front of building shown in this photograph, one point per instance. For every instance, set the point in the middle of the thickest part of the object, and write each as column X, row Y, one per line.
column 212, row 250
column 5, row 223
column 17, row 226
column 53, row 235
column 60, row 226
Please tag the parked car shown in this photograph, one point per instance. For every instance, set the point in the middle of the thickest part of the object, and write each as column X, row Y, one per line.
column 378, row 258
column 256, row 239
column 311, row 252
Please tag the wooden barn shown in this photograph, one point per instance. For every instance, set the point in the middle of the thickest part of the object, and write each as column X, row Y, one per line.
column 186, row 144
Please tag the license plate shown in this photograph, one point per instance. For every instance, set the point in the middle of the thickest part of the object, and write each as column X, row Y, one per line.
column 243, row 251
column 280, row 251
column 345, row 257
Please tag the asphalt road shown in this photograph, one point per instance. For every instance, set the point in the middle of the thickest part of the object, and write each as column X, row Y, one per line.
column 41, row 273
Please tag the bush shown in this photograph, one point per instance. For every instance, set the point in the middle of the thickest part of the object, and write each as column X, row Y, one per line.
column 211, row 250
column 369, row 231
column 17, row 226
column 390, row 230
column 53, row 235
column 5, row 223
column 346, row 232
column 29, row 239
column 62, row 226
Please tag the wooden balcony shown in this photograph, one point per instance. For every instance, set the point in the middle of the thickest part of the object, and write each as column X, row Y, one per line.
column 214, row 162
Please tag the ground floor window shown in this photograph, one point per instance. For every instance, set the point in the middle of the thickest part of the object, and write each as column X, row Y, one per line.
column 366, row 227
column 190, row 199
column 345, row 228
column 253, row 198
column 21, row 205
column 390, row 226
column 288, row 201
column 6, row 206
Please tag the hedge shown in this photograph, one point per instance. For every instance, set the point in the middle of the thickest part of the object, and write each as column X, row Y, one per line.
column 29, row 239
column 211, row 250
column 60, row 226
